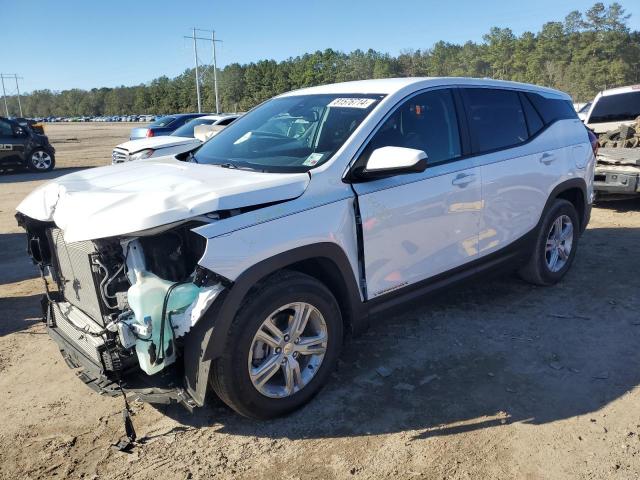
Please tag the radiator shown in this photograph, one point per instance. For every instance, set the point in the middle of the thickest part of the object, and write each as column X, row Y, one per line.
column 75, row 271
column 65, row 317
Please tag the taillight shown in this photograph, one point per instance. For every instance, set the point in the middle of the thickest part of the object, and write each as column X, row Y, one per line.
column 150, row 132
column 594, row 141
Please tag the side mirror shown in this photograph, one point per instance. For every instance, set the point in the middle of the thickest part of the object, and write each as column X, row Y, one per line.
column 19, row 132
column 390, row 161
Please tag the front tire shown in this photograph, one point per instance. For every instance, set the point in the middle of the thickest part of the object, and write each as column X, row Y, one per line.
column 281, row 347
column 40, row 161
column 555, row 246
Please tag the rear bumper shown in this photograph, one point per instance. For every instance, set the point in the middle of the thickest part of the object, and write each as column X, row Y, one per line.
column 617, row 182
column 162, row 388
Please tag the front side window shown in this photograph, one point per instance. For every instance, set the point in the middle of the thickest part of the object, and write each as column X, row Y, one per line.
column 5, row 129
column 616, row 108
column 426, row 122
column 496, row 119
column 289, row 134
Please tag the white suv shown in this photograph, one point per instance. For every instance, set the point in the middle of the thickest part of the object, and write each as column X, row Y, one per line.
column 243, row 267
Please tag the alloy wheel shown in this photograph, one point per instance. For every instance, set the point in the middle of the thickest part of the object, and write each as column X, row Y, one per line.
column 287, row 350
column 559, row 243
column 41, row 160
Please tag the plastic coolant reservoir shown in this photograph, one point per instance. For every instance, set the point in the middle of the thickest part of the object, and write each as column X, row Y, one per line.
column 145, row 298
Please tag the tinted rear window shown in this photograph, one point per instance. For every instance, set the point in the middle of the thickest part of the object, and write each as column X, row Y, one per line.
column 163, row 122
column 534, row 122
column 496, row 119
column 552, row 109
column 614, row 108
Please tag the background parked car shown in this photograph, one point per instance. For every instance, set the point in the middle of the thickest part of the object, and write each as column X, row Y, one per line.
column 22, row 147
column 164, row 125
column 583, row 110
column 180, row 141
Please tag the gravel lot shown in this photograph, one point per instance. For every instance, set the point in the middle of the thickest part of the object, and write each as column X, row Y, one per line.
column 496, row 379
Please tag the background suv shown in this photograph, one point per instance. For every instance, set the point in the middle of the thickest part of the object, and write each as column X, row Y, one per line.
column 243, row 269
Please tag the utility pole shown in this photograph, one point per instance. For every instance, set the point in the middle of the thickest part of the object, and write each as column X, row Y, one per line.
column 18, row 90
column 215, row 69
column 195, row 57
column 4, row 96
column 213, row 41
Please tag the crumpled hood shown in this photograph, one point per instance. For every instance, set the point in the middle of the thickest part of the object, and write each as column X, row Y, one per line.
column 127, row 198
column 133, row 146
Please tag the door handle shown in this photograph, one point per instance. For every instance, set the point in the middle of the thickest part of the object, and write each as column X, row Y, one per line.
column 547, row 158
column 463, row 179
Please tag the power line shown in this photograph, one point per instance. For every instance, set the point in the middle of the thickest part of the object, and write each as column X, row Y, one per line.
column 15, row 77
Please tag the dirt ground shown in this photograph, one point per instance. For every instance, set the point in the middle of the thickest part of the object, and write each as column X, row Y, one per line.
column 497, row 379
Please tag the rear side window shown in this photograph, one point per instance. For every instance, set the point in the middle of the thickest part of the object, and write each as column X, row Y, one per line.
column 496, row 119
column 534, row 122
column 615, row 108
column 552, row 109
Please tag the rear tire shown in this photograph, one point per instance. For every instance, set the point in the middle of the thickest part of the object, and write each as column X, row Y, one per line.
column 555, row 246
column 292, row 377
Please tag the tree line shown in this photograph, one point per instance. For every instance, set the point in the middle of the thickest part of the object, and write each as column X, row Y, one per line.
column 581, row 55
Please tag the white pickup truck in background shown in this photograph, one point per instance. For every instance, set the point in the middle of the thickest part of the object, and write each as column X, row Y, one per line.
column 614, row 116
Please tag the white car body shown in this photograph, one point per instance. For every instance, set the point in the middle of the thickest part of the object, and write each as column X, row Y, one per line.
column 388, row 237
column 630, row 101
column 166, row 145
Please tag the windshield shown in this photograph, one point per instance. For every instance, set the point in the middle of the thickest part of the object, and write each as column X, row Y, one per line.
column 614, row 108
column 187, row 129
column 288, row 134
column 163, row 121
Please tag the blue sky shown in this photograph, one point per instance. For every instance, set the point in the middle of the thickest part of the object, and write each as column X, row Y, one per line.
column 93, row 43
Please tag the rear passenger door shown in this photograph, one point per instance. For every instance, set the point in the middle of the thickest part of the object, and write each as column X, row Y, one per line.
column 519, row 164
column 416, row 226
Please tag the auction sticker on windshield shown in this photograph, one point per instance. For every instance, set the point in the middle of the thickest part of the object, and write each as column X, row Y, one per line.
column 352, row 102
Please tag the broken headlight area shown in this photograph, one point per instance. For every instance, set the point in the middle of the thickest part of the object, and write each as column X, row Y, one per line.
column 123, row 304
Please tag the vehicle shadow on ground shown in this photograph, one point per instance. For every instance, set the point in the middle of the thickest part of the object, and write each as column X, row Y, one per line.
column 622, row 206
column 19, row 313
column 18, row 176
column 479, row 356
column 15, row 264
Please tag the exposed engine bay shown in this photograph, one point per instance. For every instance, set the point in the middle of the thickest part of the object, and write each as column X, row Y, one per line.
column 124, row 304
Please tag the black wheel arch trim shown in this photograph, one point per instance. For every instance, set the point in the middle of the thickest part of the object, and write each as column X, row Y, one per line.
column 565, row 186
column 205, row 341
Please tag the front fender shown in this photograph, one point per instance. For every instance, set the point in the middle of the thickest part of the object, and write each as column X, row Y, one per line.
column 250, row 254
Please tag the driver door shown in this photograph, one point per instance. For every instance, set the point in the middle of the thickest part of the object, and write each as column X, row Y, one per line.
column 418, row 225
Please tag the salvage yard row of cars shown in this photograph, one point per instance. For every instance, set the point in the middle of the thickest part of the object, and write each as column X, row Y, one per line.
column 239, row 267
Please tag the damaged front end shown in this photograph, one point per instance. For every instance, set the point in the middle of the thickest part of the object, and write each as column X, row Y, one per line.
column 119, row 308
